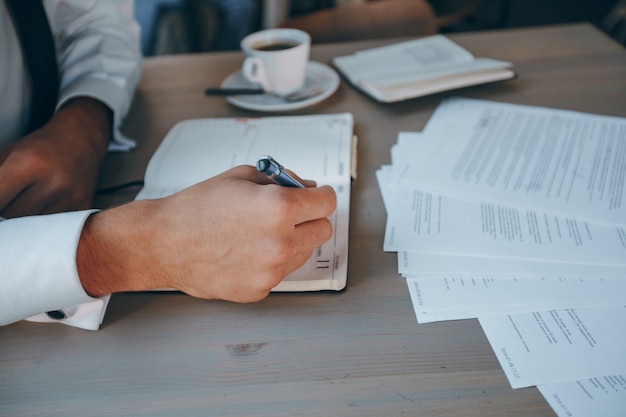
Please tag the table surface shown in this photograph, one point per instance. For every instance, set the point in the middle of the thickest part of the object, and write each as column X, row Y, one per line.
column 355, row 353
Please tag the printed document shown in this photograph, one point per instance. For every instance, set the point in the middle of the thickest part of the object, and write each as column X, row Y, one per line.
column 603, row 396
column 418, row 264
column 558, row 345
column 433, row 223
column 559, row 160
column 423, row 222
column 516, row 216
column 466, row 296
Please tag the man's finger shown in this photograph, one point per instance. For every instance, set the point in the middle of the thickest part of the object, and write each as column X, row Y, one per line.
column 313, row 203
column 313, row 233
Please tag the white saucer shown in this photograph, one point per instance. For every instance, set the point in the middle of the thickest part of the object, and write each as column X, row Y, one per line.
column 317, row 76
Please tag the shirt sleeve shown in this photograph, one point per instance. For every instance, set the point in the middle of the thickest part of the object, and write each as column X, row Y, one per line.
column 98, row 53
column 39, row 275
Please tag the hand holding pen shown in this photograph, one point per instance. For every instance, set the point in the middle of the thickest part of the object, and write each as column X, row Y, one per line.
column 209, row 240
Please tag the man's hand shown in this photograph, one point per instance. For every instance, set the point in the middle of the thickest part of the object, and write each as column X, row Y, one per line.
column 233, row 237
column 55, row 168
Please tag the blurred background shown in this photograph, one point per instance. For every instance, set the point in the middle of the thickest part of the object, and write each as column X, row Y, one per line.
column 188, row 26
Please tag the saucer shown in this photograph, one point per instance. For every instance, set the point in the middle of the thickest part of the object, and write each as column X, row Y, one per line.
column 317, row 76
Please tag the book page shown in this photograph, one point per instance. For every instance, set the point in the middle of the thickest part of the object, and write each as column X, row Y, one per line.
column 558, row 345
column 314, row 147
column 603, row 396
column 559, row 160
column 402, row 59
column 418, row 67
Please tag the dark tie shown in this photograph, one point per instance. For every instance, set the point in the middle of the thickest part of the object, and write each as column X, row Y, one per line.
column 33, row 31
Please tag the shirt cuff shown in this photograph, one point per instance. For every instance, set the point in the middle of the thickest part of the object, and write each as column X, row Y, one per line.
column 38, row 255
column 112, row 96
column 86, row 316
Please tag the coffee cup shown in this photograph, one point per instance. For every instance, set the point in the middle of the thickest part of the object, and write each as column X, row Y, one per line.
column 276, row 59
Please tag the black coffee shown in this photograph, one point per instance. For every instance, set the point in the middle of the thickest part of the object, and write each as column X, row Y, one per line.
column 277, row 45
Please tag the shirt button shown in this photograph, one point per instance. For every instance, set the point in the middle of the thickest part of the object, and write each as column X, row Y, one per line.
column 57, row 314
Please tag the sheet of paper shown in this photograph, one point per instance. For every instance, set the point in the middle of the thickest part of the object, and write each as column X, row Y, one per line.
column 429, row 264
column 465, row 297
column 428, row 223
column 424, row 222
column 559, row 160
column 604, row 396
column 558, row 345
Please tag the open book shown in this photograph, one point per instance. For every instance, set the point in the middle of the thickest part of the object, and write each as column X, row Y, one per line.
column 417, row 68
column 318, row 147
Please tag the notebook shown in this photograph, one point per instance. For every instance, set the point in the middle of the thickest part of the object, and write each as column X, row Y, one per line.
column 317, row 147
column 417, row 68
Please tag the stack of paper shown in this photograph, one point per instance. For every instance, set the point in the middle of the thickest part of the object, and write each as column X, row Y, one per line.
column 516, row 216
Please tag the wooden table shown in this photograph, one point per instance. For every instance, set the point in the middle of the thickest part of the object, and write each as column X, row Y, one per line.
column 355, row 353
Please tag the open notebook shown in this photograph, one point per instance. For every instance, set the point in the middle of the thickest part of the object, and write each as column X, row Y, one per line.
column 317, row 147
column 417, row 68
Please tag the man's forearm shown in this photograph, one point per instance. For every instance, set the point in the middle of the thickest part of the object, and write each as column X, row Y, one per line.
column 112, row 248
column 88, row 119
column 205, row 240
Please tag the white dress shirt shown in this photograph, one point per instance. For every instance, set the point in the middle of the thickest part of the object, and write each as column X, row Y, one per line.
column 98, row 54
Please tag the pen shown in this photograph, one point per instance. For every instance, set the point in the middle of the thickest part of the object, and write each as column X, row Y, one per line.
column 275, row 171
column 232, row 91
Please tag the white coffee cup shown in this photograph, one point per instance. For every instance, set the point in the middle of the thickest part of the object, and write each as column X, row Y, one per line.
column 276, row 59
